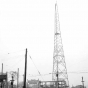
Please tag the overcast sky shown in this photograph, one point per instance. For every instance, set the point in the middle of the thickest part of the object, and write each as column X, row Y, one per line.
column 30, row 24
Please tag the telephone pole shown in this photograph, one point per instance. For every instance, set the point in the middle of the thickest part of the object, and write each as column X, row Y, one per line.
column 12, row 81
column 2, row 68
column 18, row 78
column 2, row 74
column 82, row 82
column 25, row 70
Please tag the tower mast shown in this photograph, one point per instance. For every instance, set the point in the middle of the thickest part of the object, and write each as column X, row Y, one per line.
column 59, row 65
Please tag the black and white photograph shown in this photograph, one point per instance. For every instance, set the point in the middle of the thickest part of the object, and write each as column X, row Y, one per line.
column 43, row 43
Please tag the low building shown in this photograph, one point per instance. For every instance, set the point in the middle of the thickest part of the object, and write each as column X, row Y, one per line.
column 33, row 83
column 78, row 86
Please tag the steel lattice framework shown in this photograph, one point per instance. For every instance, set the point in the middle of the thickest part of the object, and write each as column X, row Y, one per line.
column 59, row 65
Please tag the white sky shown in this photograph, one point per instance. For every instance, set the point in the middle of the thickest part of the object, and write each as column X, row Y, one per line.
column 30, row 24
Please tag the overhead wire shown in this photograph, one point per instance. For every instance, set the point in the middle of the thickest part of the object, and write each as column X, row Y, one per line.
column 36, row 67
column 21, row 58
column 52, row 73
column 77, row 72
column 11, row 56
column 72, row 72
column 30, row 75
column 15, row 64
column 16, row 51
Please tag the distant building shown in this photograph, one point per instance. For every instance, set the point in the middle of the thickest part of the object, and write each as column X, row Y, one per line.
column 78, row 86
column 33, row 83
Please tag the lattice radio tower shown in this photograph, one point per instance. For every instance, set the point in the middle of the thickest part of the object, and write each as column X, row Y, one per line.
column 59, row 65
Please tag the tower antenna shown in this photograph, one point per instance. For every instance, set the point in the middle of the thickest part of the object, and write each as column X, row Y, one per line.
column 59, row 65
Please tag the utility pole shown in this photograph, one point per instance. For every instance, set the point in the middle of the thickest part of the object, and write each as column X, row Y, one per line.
column 82, row 82
column 2, row 74
column 2, row 68
column 25, row 70
column 7, row 79
column 18, row 78
column 12, row 81
column 57, row 86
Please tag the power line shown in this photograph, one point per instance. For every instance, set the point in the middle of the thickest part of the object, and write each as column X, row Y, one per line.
column 31, row 75
column 36, row 67
column 78, row 72
column 15, row 64
column 12, row 55
column 52, row 73
column 16, row 51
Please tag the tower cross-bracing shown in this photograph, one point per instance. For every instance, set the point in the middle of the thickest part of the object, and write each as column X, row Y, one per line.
column 59, row 65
